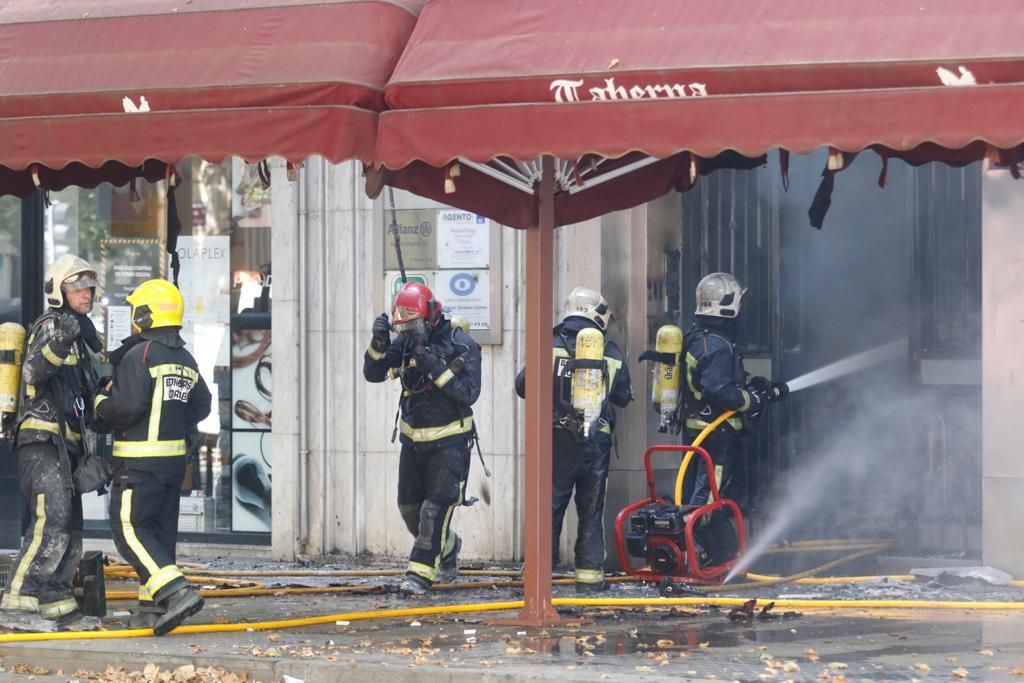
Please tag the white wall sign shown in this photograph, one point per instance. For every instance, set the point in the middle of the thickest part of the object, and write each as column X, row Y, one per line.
column 463, row 239
column 466, row 293
column 205, row 283
column 119, row 325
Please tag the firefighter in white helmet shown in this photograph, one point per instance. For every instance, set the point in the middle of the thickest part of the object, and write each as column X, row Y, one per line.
column 716, row 382
column 589, row 377
column 58, row 380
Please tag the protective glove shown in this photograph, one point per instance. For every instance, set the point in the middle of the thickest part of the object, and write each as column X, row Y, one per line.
column 66, row 330
column 760, row 383
column 381, row 334
column 758, row 400
column 424, row 359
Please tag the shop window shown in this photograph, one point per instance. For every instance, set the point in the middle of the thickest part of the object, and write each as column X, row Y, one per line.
column 224, row 255
column 10, row 259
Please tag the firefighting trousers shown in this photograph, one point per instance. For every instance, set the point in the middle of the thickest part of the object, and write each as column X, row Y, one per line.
column 726, row 450
column 144, row 523
column 431, row 484
column 583, row 467
column 41, row 578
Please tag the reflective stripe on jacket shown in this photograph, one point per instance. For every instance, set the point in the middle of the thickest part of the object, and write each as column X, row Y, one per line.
column 158, row 396
column 52, row 377
column 715, row 378
column 436, row 409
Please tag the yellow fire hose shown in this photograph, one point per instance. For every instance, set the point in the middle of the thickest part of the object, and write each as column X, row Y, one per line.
column 689, row 456
column 204, row 576
column 510, row 605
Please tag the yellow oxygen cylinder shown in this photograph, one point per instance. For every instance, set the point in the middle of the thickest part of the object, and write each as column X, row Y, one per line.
column 588, row 389
column 665, row 392
column 12, row 346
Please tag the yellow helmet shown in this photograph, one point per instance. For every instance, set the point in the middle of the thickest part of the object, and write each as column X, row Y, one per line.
column 156, row 303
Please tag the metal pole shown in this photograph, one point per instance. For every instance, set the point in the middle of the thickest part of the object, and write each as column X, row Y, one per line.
column 537, row 610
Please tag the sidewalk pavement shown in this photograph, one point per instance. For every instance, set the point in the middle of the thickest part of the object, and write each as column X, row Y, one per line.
column 623, row 644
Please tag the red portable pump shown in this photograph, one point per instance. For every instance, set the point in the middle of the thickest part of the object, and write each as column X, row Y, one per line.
column 686, row 543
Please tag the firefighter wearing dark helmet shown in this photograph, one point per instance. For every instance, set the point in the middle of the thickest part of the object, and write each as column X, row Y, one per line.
column 156, row 397
column 58, row 380
column 580, row 447
column 716, row 382
column 439, row 368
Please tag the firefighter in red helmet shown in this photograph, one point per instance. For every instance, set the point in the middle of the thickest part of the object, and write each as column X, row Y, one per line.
column 439, row 368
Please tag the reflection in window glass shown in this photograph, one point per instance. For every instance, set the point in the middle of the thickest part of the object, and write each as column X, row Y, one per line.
column 10, row 259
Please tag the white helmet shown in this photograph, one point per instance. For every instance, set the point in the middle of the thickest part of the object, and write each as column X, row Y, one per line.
column 719, row 295
column 68, row 273
column 588, row 303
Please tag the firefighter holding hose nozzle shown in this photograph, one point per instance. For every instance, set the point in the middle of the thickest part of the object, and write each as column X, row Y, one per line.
column 589, row 375
column 700, row 375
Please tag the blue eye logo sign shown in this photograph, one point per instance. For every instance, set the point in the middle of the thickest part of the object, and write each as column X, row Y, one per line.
column 463, row 284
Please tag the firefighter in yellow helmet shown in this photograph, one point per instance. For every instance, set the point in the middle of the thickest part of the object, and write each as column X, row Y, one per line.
column 589, row 377
column 156, row 397
column 58, row 380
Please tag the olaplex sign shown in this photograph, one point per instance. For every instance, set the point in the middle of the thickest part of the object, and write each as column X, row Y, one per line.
column 576, row 91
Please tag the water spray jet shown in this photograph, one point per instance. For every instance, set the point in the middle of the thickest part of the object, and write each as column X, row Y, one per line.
column 860, row 361
column 815, row 478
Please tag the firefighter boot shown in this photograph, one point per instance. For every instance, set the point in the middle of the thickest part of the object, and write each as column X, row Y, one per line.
column 414, row 584
column 77, row 621
column 146, row 616
column 180, row 605
column 449, row 569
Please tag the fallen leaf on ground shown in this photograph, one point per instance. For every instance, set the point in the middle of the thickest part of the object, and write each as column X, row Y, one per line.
column 922, row 667
column 665, row 642
column 986, row 653
column 835, row 666
column 960, row 672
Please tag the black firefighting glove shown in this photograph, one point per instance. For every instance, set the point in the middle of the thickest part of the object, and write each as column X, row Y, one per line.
column 381, row 334
column 759, row 383
column 425, row 360
column 758, row 402
column 66, row 330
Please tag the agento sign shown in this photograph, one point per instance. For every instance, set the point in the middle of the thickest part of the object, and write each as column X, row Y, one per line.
column 569, row 91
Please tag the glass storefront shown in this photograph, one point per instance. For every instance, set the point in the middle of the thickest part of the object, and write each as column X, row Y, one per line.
column 10, row 259
column 218, row 218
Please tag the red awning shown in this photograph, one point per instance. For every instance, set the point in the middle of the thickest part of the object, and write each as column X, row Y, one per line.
column 124, row 81
column 661, row 78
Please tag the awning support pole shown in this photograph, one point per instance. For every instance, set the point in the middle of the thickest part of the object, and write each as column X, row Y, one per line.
column 540, row 240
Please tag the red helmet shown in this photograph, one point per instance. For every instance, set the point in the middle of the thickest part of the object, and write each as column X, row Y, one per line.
column 414, row 302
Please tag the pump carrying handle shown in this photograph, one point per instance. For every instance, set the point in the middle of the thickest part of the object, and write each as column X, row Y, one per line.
column 711, row 468
column 689, row 451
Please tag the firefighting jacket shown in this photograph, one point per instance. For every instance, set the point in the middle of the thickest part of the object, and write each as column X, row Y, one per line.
column 715, row 378
column 157, row 396
column 435, row 407
column 619, row 389
column 53, row 377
